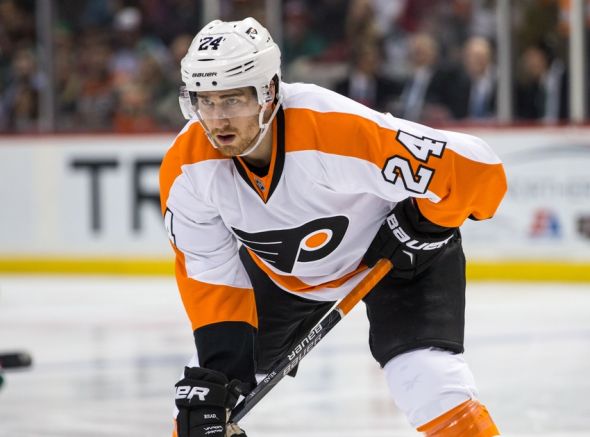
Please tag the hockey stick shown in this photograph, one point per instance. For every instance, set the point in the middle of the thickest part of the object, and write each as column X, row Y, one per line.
column 13, row 360
column 312, row 338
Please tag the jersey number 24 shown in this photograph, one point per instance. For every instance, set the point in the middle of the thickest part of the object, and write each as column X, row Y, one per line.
column 398, row 170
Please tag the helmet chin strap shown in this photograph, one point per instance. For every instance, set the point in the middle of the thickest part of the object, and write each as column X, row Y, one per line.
column 263, row 128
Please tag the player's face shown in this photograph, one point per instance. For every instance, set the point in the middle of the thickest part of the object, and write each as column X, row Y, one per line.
column 231, row 118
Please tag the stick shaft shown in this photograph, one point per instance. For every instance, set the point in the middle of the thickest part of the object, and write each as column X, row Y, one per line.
column 366, row 285
column 313, row 337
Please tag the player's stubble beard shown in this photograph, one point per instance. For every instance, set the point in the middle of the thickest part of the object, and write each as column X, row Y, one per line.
column 244, row 136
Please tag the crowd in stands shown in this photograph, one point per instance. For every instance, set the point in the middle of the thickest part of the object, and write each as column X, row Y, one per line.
column 116, row 63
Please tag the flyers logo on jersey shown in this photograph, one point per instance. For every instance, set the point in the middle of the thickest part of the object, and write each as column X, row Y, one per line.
column 284, row 247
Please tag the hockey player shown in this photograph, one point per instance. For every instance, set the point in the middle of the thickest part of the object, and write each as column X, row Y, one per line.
column 279, row 198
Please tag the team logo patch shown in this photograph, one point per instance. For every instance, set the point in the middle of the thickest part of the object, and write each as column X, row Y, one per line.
column 251, row 32
column 284, row 247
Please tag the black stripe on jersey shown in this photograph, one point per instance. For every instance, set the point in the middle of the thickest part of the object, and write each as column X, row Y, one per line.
column 284, row 247
column 242, row 172
column 280, row 158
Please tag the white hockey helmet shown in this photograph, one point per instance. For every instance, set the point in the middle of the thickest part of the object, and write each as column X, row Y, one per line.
column 227, row 55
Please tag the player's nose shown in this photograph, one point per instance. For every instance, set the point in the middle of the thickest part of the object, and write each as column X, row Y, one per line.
column 219, row 123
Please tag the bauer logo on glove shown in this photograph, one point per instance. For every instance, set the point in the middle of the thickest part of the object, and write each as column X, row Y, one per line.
column 187, row 392
column 403, row 237
column 409, row 240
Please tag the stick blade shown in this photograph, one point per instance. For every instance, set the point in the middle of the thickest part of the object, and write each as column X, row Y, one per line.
column 15, row 360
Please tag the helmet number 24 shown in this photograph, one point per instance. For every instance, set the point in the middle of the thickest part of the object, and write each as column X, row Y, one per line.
column 208, row 42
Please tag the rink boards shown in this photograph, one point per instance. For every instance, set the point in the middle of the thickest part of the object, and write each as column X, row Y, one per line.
column 89, row 204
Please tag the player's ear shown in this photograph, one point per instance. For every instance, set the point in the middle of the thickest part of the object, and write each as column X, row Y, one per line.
column 273, row 89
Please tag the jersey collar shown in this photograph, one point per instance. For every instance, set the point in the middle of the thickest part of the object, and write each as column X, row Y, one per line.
column 264, row 186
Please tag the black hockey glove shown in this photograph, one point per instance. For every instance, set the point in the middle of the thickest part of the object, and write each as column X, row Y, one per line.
column 409, row 240
column 203, row 398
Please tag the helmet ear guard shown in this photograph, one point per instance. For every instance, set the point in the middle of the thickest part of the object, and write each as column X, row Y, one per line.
column 187, row 105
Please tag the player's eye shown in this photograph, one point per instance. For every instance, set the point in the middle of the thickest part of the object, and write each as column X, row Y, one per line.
column 232, row 101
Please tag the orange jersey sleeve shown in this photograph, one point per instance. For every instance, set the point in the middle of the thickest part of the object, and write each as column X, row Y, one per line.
column 212, row 282
column 453, row 176
column 469, row 183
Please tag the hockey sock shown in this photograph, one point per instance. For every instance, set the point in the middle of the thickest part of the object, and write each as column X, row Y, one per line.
column 469, row 419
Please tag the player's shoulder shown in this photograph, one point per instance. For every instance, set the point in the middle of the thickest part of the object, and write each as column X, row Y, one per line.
column 464, row 144
column 189, row 150
column 305, row 96
column 470, row 146
column 191, row 146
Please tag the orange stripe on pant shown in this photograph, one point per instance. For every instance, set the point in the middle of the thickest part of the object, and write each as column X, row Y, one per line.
column 470, row 419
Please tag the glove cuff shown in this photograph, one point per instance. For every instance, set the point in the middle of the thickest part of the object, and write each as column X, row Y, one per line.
column 419, row 223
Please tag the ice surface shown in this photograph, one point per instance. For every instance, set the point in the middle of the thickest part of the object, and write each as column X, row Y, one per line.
column 108, row 351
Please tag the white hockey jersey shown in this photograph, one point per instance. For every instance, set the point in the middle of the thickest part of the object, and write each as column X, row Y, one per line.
column 337, row 169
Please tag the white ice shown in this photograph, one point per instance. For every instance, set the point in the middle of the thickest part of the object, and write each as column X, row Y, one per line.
column 108, row 351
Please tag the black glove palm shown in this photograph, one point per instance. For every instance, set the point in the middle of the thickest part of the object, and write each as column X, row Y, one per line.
column 203, row 397
column 409, row 240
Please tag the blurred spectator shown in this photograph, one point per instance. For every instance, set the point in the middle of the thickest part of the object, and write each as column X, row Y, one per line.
column 424, row 90
column 92, row 13
column 300, row 39
column 451, row 21
column 167, row 111
column 67, row 79
column 233, row 10
column 413, row 14
column 169, row 18
column 542, row 90
column 133, row 112
column 395, row 39
column 386, row 13
column 160, row 88
column 124, row 63
column 361, row 26
column 327, row 21
column 17, row 23
column 451, row 25
column 105, row 49
column 151, row 76
column 19, row 80
column 329, row 65
column 364, row 83
column 178, row 49
column 483, row 19
column 131, row 44
column 474, row 93
column 536, row 20
column 97, row 97
column 19, row 101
